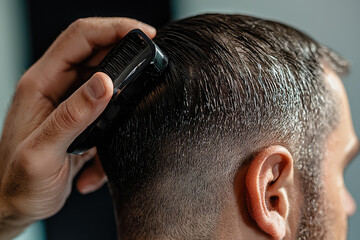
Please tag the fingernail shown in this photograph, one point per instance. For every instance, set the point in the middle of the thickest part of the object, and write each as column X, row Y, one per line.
column 96, row 87
column 88, row 189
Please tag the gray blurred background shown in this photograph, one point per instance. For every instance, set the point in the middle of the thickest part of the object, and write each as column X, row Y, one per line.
column 333, row 23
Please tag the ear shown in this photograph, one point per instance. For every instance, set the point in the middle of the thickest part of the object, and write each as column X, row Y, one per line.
column 268, row 181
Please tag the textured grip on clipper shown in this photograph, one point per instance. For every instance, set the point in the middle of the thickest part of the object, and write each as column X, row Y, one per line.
column 134, row 66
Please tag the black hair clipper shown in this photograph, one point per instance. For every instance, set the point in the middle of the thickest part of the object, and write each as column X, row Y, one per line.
column 134, row 65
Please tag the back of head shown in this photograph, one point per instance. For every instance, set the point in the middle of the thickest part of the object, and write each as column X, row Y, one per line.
column 234, row 85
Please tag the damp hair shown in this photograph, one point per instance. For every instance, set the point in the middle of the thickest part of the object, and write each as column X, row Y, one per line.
column 234, row 85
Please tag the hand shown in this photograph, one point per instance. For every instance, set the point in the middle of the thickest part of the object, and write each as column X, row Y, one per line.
column 36, row 173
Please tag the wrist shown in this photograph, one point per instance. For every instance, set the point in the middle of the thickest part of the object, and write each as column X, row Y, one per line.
column 11, row 222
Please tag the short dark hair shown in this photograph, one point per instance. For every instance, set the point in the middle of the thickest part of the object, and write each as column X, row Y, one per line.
column 234, row 86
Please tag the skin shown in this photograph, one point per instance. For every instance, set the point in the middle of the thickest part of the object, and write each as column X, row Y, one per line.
column 36, row 173
column 342, row 147
column 266, row 201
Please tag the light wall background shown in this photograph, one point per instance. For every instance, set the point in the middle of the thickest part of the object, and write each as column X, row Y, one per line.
column 14, row 60
column 335, row 23
column 13, row 50
column 332, row 22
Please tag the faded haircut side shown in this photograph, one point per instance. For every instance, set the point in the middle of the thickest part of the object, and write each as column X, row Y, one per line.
column 234, row 86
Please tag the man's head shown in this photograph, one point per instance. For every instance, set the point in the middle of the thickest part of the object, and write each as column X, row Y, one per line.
column 236, row 141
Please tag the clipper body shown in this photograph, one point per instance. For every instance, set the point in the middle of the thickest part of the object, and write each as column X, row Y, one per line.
column 134, row 66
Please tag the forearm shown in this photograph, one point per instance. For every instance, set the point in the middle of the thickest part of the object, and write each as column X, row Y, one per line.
column 11, row 224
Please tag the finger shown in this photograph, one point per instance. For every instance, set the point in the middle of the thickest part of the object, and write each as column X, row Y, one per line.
column 92, row 33
column 72, row 116
column 77, row 43
column 92, row 178
column 96, row 58
column 78, row 161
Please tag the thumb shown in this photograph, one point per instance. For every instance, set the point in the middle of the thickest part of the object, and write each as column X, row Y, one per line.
column 72, row 116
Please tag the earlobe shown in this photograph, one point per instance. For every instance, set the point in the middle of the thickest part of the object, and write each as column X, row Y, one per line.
column 268, row 181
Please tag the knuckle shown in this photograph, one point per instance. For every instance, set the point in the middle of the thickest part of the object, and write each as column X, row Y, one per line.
column 26, row 88
column 69, row 115
column 24, row 85
column 21, row 86
column 23, row 153
column 73, row 113
column 24, row 158
column 78, row 24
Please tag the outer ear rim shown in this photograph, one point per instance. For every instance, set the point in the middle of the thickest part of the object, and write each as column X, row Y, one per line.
column 270, row 221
